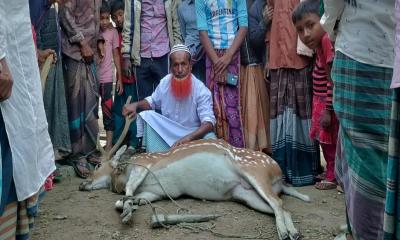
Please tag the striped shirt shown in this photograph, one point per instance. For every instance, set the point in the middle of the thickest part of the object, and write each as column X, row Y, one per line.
column 321, row 85
column 221, row 19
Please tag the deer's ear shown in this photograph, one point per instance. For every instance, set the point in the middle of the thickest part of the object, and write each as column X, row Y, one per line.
column 120, row 151
column 117, row 156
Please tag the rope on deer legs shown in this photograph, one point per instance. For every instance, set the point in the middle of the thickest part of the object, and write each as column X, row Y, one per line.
column 180, row 208
column 188, row 226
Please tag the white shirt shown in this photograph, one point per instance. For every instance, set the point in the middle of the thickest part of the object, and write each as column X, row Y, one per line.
column 366, row 32
column 23, row 112
column 190, row 112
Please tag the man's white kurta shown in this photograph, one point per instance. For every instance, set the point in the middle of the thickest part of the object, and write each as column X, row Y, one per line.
column 23, row 112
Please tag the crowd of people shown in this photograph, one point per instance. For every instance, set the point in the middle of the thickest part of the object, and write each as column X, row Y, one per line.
column 288, row 78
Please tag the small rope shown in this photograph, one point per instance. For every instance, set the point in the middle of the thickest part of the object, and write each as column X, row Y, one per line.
column 180, row 208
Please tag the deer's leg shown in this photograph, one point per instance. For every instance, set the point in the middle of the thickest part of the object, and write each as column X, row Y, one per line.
column 264, row 189
column 136, row 177
column 151, row 197
column 100, row 183
column 252, row 199
column 294, row 234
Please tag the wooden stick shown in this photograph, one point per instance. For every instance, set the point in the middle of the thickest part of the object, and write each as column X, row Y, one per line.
column 159, row 220
column 44, row 72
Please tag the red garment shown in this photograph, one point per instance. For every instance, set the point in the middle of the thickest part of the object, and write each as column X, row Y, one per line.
column 329, row 151
column 321, row 85
column 317, row 132
column 283, row 37
column 124, row 79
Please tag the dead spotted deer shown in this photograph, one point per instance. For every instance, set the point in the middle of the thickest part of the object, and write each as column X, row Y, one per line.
column 203, row 169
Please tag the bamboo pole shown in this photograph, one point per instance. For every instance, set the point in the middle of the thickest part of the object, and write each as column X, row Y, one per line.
column 160, row 220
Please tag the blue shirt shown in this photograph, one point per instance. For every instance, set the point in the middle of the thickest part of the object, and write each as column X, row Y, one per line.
column 221, row 19
column 188, row 24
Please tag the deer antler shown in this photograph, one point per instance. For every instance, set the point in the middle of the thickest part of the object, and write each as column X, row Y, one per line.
column 128, row 121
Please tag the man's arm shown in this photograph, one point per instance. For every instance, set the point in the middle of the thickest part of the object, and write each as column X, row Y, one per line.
column 73, row 32
column 130, row 109
column 182, row 23
column 257, row 26
column 204, row 128
column 176, row 29
column 332, row 11
column 206, row 116
column 224, row 61
column 127, row 33
column 68, row 23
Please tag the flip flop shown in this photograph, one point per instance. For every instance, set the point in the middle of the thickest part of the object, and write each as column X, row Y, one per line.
column 325, row 185
column 78, row 165
column 94, row 158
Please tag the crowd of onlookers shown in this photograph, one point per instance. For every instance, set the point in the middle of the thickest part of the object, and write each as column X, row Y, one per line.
column 288, row 78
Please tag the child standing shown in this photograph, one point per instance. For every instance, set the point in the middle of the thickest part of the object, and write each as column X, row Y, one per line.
column 117, row 15
column 324, row 124
column 111, row 52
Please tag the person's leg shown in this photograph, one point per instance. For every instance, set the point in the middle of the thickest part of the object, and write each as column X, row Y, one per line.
column 159, row 69
column 82, row 103
column 106, row 105
column 144, row 78
column 199, row 70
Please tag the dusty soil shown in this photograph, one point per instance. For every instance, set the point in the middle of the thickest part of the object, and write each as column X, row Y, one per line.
column 67, row 213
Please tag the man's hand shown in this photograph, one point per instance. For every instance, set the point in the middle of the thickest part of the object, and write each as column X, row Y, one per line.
column 127, row 67
column 86, row 52
column 326, row 119
column 268, row 13
column 120, row 87
column 43, row 54
column 183, row 140
column 222, row 63
column 130, row 110
column 6, row 81
column 101, row 50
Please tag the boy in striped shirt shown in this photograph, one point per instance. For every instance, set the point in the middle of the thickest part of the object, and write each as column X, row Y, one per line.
column 324, row 124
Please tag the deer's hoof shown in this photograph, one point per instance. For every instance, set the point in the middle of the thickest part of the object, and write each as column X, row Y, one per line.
column 85, row 186
column 295, row 236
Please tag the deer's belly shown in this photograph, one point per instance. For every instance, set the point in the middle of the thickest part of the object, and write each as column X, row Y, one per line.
column 201, row 175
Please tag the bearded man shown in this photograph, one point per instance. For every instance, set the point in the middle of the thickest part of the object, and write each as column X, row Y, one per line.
column 185, row 104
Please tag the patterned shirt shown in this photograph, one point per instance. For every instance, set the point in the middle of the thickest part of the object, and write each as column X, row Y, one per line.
column 190, row 112
column 154, row 41
column 221, row 19
column 321, row 85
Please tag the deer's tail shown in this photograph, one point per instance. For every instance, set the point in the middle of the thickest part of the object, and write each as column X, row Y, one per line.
column 289, row 190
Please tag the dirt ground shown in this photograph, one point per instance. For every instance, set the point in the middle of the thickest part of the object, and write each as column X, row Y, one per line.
column 67, row 213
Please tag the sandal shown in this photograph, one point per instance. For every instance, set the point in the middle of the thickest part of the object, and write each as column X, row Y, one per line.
column 325, row 185
column 82, row 168
column 94, row 158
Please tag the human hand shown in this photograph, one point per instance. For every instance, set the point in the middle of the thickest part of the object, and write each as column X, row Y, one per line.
column 120, row 87
column 127, row 67
column 44, row 54
column 6, row 81
column 183, row 140
column 86, row 52
column 268, row 13
column 326, row 119
column 101, row 51
column 222, row 63
column 129, row 110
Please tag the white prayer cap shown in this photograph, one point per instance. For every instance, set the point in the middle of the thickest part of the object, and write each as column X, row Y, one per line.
column 179, row 47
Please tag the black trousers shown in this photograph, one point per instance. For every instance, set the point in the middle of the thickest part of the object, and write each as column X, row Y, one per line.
column 149, row 74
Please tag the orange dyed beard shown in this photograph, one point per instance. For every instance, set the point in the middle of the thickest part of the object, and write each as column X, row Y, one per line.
column 181, row 87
